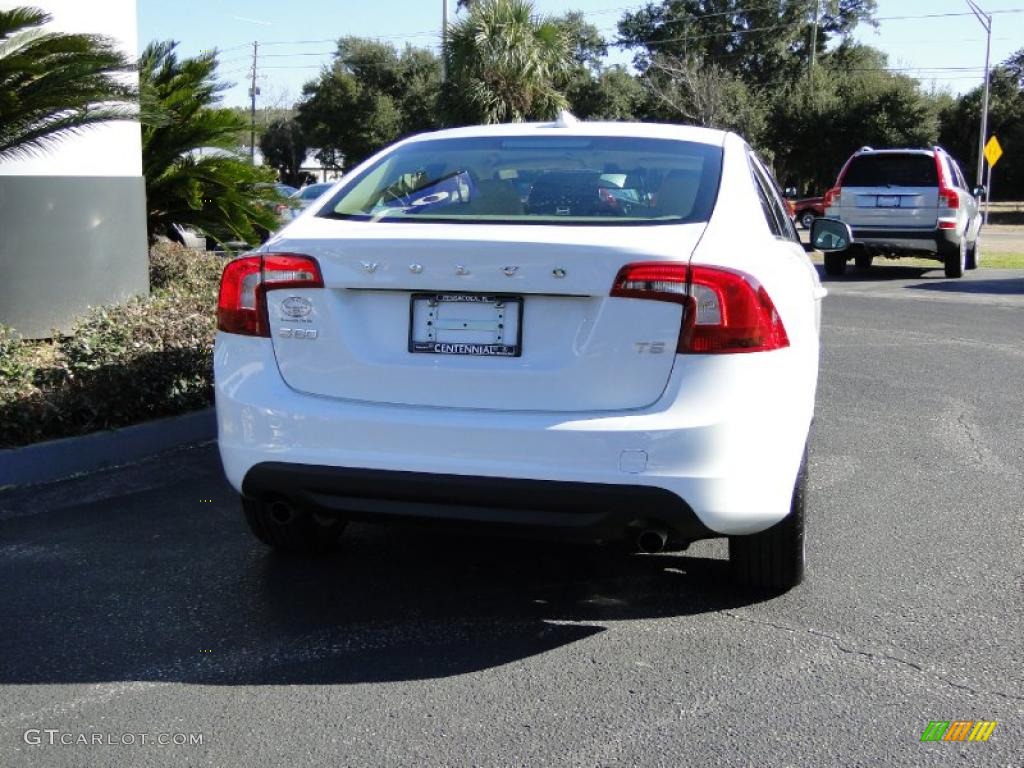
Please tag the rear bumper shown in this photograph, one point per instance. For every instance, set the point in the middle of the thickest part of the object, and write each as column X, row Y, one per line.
column 933, row 241
column 725, row 440
column 595, row 510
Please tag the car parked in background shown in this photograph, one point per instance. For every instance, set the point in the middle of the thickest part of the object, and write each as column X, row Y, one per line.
column 598, row 360
column 807, row 209
column 906, row 202
column 302, row 198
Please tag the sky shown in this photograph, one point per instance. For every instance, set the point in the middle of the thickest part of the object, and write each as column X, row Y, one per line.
column 296, row 36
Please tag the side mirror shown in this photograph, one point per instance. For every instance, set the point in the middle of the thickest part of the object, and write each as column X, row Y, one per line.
column 979, row 191
column 828, row 235
column 789, row 192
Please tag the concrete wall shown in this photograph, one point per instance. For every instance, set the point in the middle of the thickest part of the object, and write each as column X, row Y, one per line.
column 72, row 219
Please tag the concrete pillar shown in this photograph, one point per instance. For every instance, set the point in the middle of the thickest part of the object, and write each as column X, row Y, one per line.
column 73, row 218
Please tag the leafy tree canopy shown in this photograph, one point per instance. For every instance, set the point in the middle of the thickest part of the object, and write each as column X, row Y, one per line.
column 53, row 84
column 506, row 64
column 761, row 42
column 193, row 176
column 284, row 148
column 372, row 95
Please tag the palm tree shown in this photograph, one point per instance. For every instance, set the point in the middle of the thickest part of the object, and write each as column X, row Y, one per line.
column 194, row 175
column 53, row 84
column 506, row 64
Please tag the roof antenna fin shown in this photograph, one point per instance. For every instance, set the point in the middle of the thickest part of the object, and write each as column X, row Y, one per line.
column 565, row 119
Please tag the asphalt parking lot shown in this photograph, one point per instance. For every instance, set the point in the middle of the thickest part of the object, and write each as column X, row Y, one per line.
column 135, row 601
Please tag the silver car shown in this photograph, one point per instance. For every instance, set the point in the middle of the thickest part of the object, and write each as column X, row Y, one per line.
column 905, row 202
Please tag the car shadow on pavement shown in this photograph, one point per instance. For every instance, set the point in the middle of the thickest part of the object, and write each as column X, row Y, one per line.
column 159, row 588
column 1006, row 286
column 880, row 272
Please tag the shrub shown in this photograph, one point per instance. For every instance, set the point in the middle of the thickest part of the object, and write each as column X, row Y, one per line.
column 121, row 364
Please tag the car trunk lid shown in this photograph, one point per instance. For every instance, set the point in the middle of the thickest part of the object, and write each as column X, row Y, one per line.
column 566, row 345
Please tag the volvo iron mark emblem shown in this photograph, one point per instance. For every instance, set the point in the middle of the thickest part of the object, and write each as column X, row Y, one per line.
column 369, row 266
column 296, row 307
column 509, row 271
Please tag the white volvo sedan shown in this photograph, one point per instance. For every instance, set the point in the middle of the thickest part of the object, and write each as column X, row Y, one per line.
column 607, row 329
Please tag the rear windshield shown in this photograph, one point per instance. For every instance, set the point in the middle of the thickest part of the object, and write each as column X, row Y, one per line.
column 536, row 180
column 891, row 171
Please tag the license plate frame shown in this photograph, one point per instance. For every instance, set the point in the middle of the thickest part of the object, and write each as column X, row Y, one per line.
column 508, row 311
column 888, row 201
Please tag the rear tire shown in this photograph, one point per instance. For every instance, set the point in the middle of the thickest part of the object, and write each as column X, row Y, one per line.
column 973, row 255
column 835, row 263
column 283, row 526
column 863, row 260
column 954, row 259
column 774, row 559
column 806, row 219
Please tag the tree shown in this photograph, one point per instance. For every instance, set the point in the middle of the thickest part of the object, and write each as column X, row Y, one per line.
column 1014, row 65
column 284, row 147
column 765, row 43
column 54, row 84
column 588, row 45
column 703, row 93
column 193, row 176
column 852, row 101
column 506, row 64
column 613, row 94
column 960, row 125
column 371, row 95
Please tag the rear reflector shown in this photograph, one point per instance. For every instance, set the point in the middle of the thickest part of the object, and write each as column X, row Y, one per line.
column 242, row 306
column 947, row 223
column 723, row 310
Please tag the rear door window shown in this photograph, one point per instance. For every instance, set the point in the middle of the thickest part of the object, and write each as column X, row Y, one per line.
column 957, row 173
column 892, row 170
column 771, row 201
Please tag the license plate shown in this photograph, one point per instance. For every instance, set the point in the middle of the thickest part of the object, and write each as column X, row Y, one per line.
column 888, row 201
column 471, row 324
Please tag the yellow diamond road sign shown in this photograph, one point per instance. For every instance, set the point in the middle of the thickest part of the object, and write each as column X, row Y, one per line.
column 993, row 151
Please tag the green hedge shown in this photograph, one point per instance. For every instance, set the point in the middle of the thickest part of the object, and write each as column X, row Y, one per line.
column 121, row 364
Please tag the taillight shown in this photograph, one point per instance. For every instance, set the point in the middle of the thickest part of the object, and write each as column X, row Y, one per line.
column 242, row 306
column 723, row 310
column 948, row 198
column 830, row 196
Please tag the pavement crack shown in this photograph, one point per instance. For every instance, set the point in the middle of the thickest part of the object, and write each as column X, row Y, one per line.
column 972, row 438
column 872, row 656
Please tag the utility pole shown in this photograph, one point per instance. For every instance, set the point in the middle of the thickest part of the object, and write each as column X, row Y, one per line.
column 814, row 43
column 444, row 39
column 253, row 92
column 986, row 21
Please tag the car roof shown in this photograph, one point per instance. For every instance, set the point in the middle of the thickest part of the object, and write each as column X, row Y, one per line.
column 899, row 151
column 581, row 128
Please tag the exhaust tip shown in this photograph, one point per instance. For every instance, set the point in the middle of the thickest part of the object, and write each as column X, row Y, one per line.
column 650, row 541
column 281, row 512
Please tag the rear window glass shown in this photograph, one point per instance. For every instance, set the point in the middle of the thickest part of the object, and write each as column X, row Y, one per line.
column 891, row 171
column 536, row 180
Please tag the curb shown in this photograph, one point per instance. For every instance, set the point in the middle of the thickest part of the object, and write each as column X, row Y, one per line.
column 58, row 459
